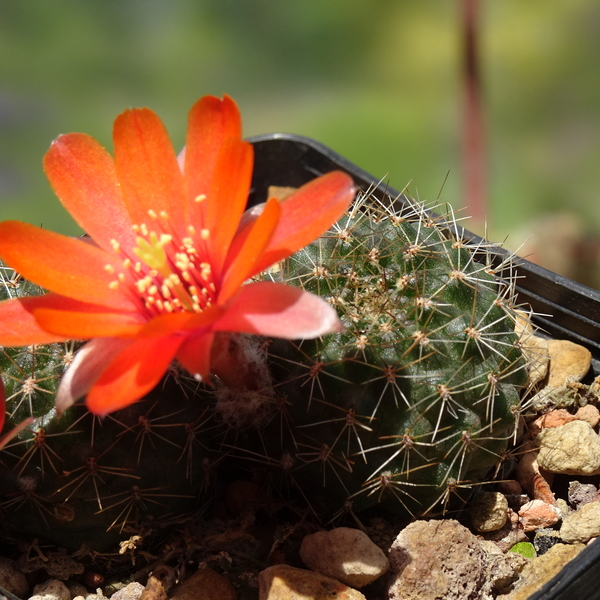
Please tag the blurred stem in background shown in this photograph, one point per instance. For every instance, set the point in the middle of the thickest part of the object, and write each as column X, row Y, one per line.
column 474, row 150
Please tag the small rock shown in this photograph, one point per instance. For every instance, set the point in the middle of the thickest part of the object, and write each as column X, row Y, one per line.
column 568, row 362
column 542, row 569
column 554, row 418
column 12, row 579
column 99, row 595
column 159, row 584
column 512, row 533
column 345, row 554
column 581, row 526
column 132, row 591
column 502, row 569
column 588, row 413
column 282, row 582
column 572, row 449
column 563, row 506
column 437, row 559
column 53, row 589
column 489, row 511
column 581, row 493
column 544, row 539
column 537, row 514
column 204, row 584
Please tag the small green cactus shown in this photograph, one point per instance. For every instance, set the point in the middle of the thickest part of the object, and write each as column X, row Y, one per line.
column 417, row 397
column 77, row 479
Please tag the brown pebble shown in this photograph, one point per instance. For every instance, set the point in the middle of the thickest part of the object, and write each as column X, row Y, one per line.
column 159, row 584
column 568, row 362
column 204, row 584
column 282, row 582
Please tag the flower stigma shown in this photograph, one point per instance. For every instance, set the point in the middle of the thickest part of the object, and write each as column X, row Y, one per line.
column 169, row 275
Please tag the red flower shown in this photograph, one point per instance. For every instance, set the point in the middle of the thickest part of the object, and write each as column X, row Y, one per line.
column 168, row 256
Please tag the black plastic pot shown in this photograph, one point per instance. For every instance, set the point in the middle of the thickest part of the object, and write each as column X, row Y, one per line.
column 565, row 309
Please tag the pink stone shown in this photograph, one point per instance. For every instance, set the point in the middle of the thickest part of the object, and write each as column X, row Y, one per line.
column 588, row 413
column 555, row 418
column 537, row 514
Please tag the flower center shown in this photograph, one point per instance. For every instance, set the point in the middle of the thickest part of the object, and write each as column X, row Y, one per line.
column 166, row 273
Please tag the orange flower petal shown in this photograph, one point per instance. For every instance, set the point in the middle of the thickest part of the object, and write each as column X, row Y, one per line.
column 306, row 214
column 211, row 121
column 227, row 198
column 19, row 327
column 174, row 323
column 194, row 355
column 147, row 168
column 133, row 373
column 253, row 246
column 82, row 174
column 87, row 366
column 278, row 310
column 89, row 323
column 67, row 266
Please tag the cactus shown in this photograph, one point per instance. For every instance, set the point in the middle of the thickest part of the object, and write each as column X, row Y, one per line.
column 405, row 408
column 76, row 479
column 415, row 399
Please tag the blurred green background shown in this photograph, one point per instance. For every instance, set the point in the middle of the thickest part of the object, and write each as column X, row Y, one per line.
column 379, row 81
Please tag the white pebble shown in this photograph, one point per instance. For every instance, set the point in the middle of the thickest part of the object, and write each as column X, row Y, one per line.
column 572, row 449
column 53, row 589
